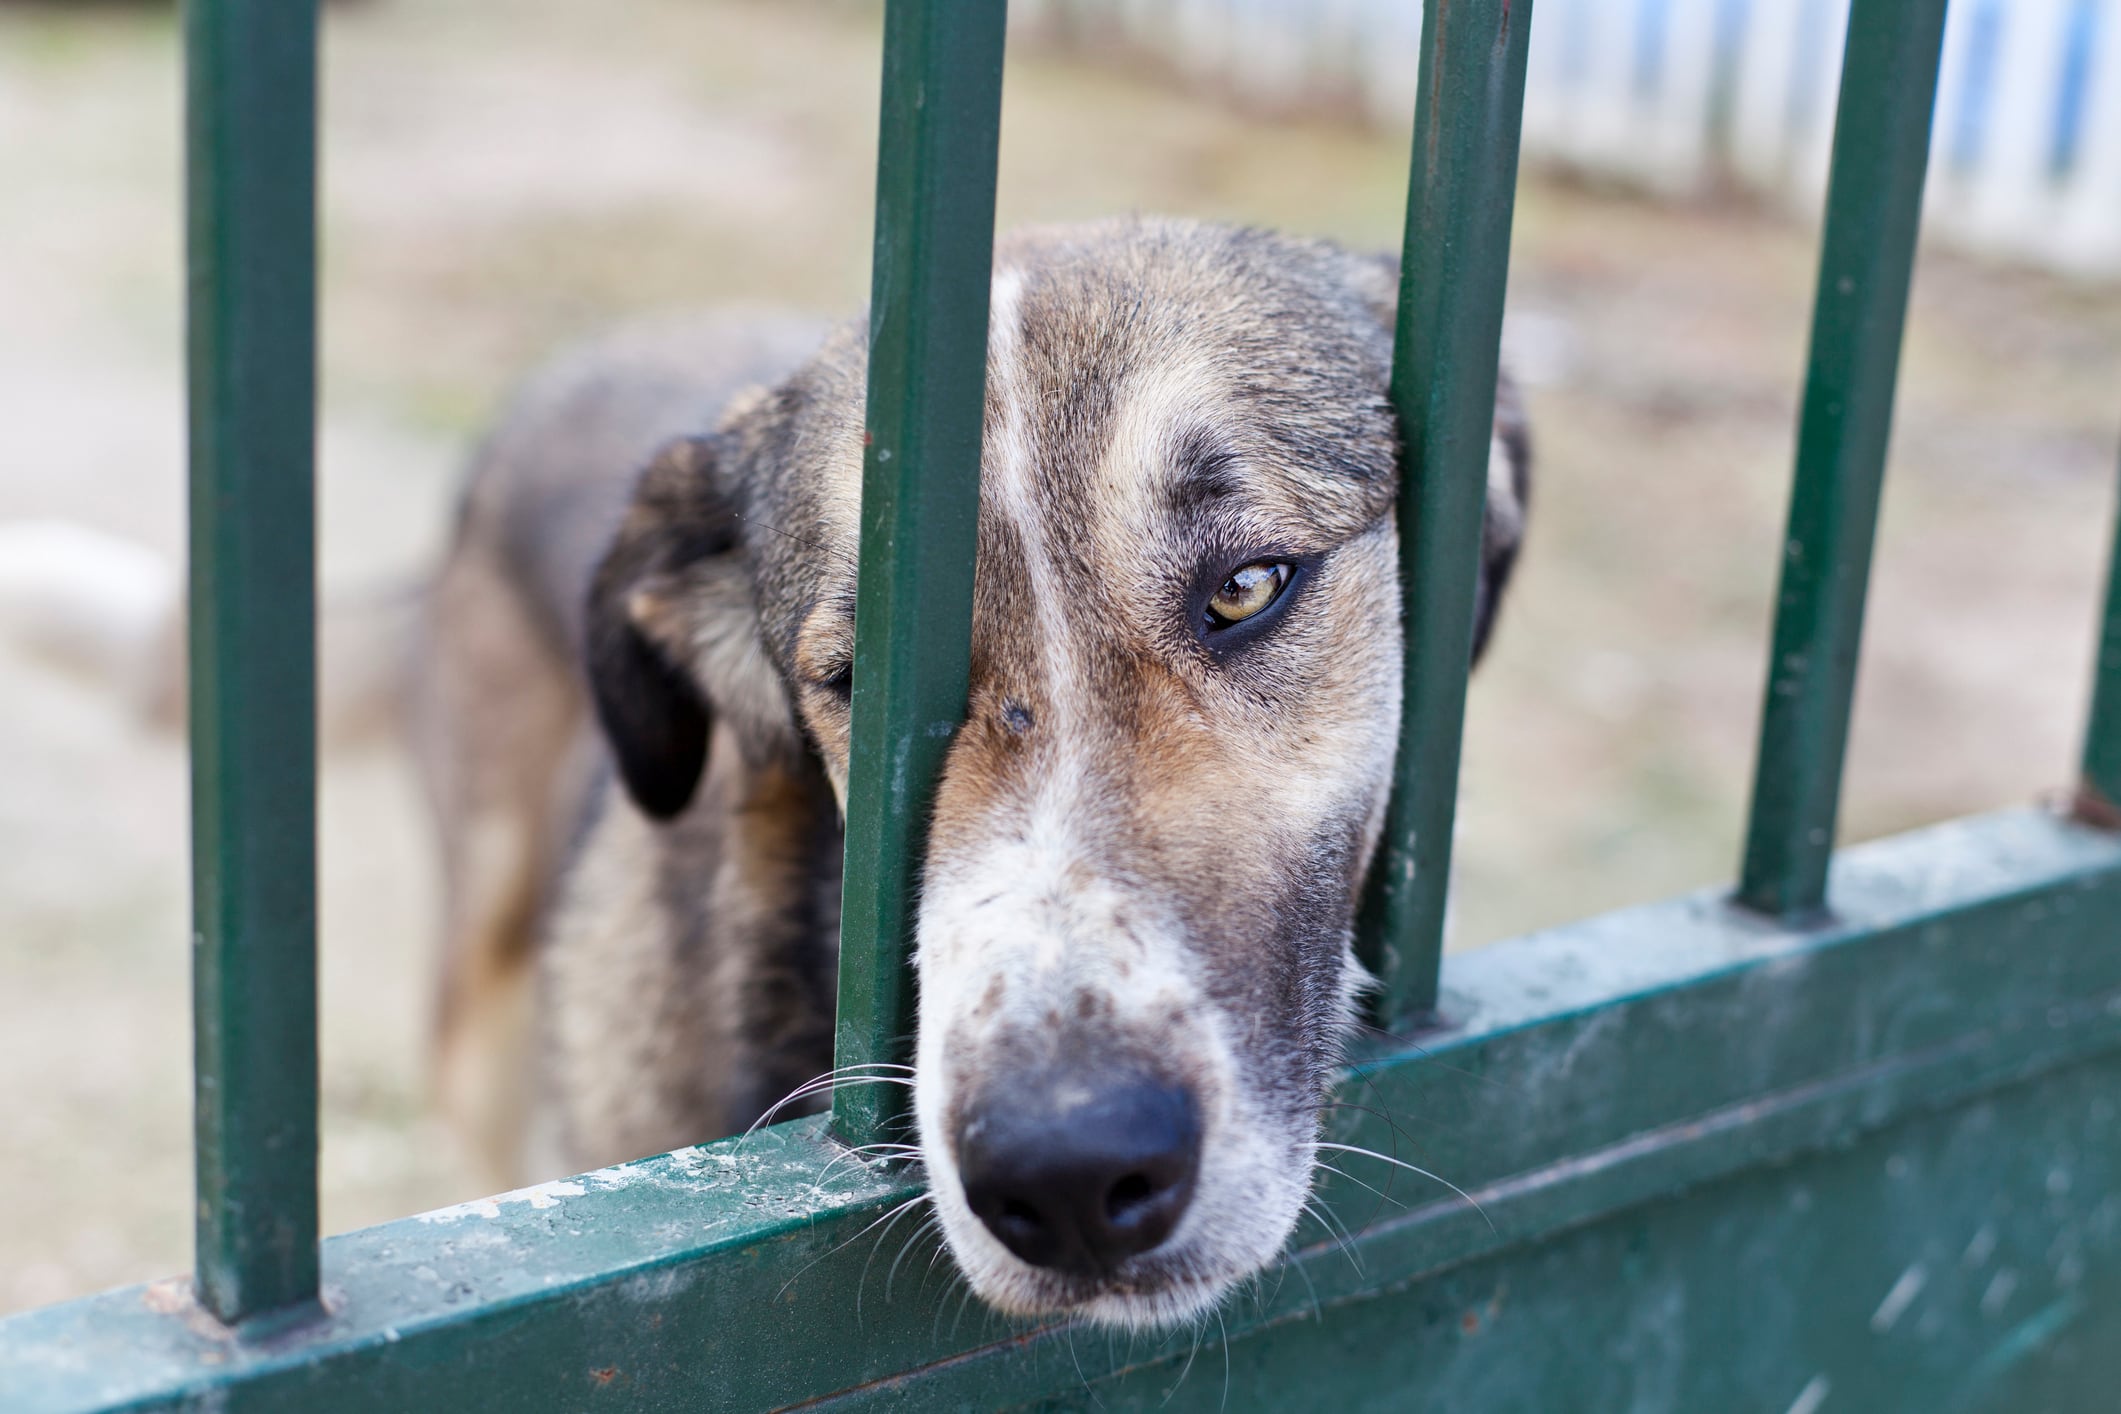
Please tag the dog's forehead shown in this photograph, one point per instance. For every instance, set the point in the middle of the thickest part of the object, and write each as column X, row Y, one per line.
column 1169, row 394
column 1186, row 346
column 1137, row 371
column 1146, row 378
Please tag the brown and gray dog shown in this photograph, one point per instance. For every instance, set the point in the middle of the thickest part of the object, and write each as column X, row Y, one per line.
column 1149, row 837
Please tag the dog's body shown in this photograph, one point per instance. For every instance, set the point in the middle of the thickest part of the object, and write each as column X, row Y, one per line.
column 500, row 720
column 1150, row 833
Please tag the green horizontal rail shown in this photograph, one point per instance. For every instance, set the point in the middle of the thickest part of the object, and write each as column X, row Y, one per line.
column 933, row 260
column 250, row 143
column 1454, row 270
column 1967, row 978
column 1866, row 262
column 2099, row 795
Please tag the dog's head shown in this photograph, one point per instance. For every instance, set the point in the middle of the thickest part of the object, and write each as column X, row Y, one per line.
column 1151, row 832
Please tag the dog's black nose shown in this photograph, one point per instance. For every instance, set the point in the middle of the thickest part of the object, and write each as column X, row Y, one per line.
column 1079, row 1176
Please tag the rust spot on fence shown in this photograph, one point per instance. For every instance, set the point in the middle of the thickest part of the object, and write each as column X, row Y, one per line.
column 168, row 1298
column 2092, row 807
column 175, row 1298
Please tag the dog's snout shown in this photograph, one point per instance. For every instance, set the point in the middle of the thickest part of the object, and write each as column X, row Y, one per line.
column 1079, row 1176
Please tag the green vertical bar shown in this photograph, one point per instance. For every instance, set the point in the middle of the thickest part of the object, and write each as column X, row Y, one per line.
column 933, row 268
column 1867, row 257
column 1453, row 275
column 250, row 176
column 2099, row 795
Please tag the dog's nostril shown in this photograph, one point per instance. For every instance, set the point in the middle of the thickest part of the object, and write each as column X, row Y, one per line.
column 1128, row 1195
column 1081, row 1185
column 1021, row 1227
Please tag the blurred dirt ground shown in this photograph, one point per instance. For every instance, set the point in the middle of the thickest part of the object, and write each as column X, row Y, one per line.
column 501, row 176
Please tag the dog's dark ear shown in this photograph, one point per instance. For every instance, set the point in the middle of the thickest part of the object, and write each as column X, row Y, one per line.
column 1509, row 496
column 1509, row 463
column 652, row 707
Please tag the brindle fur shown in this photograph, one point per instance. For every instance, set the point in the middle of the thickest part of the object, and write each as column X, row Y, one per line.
column 1146, row 844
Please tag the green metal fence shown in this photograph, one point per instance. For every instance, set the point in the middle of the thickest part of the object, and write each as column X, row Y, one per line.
column 1847, row 1140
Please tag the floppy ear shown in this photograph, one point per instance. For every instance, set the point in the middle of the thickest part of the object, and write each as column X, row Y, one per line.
column 1509, row 496
column 1509, row 461
column 651, row 706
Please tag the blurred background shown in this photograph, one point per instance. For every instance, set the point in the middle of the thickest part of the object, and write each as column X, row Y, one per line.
column 501, row 176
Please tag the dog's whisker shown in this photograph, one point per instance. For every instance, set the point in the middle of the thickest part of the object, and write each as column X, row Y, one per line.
column 801, row 1092
column 1429, row 1057
column 1324, row 1167
column 1384, row 1111
column 1383, row 1196
column 1261, row 1297
column 1346, row 1250
column 1333, row 1221
column 1317, row 1312
column 942, row 1250
column 1399, row 1134
column 1391, row 1120
column 890, row 1221
column 930, row 1224
column 848, row 1072
column 1225, row 1327
column 935, row 1327
column 861, row 1153
column 830, row 1081
column 1069, row 1332
column 1200, row 1328
column 962, row 1306
column 928, row 1272
column 1417, row 1169
column 913, row 1239
column 839, row 1247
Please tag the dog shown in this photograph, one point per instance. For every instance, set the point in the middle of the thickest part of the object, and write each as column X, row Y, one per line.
column 1150, row 833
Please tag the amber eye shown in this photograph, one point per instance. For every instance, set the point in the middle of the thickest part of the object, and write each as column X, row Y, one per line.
column 1247, row 592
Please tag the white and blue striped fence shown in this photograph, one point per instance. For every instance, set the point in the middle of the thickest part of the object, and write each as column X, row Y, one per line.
column 1678, row 94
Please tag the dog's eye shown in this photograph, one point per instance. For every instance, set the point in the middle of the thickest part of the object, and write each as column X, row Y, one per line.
column 1247, row 592
column 840, row 684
